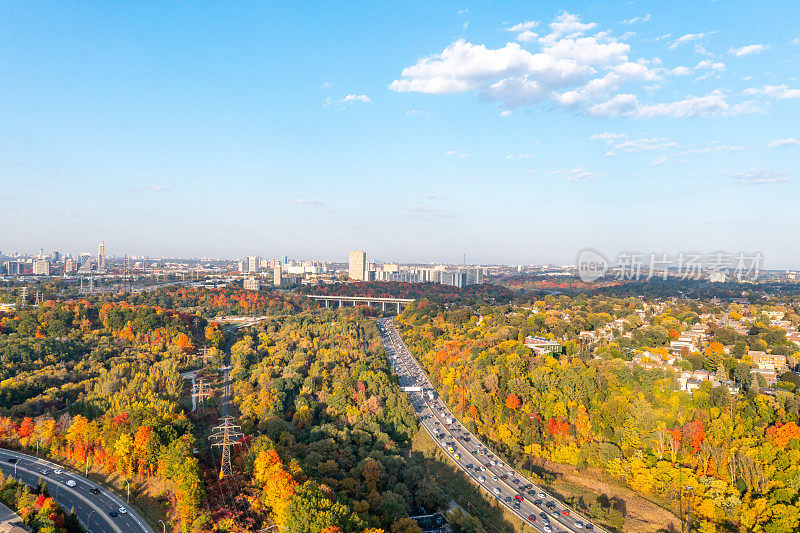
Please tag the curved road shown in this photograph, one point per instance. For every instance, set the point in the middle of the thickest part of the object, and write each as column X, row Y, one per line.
column 527, row 501
column 92, row 509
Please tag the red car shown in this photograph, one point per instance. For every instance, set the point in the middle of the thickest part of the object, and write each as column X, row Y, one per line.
column 565, row 512
column 532, row 518
column 519, row 497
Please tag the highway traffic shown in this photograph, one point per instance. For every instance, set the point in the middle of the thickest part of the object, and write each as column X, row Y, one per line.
column 527, row 501
column 99, row 510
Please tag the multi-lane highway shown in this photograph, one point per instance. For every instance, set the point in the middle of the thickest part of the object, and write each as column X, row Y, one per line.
column 527, row 501
column 99, row 510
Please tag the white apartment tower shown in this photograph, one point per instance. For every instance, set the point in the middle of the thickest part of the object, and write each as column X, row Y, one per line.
column 358, row 265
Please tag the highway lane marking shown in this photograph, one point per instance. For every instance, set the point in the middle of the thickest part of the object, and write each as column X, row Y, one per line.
column 116, row 500
column 79, row 496
column 561, row 520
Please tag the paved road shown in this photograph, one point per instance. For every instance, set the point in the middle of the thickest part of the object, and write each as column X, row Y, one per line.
column 92, row 509
column 527, row 501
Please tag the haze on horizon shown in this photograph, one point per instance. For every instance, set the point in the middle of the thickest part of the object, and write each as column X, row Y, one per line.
column 514, row 133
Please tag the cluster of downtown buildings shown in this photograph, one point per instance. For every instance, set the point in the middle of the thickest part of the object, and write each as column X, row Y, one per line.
column 258, row 271
column 360, row 270
column 55, row 263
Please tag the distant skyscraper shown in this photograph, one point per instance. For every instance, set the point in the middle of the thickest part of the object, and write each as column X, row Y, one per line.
column 56, row 255
column 101, row 256
column 358, row 265
column 70, row 266
column 41, row 267
column 253, row 263
column 86, row 263
column 276, row 276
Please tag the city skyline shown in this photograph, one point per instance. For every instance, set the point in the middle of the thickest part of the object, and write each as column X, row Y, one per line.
column 516, row 133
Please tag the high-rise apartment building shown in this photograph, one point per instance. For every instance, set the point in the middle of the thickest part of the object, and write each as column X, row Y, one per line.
column 253, row 264
column 41, row 267
column 358, row 265
column 277, row 276
column 101, row 256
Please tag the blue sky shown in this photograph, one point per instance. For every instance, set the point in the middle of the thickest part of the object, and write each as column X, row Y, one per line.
column 514, row 133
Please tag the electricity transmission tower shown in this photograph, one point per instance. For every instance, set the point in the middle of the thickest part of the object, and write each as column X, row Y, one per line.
column 226, row 435
column 200, row 391
column 204, row 355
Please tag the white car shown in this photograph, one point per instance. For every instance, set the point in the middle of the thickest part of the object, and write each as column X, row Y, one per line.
column 481, row 479
column 542, row 495
column 70, row 483
column 122, row 510
column 57, row 472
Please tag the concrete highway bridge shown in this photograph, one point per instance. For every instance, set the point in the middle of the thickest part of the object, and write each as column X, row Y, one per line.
column 371, row 301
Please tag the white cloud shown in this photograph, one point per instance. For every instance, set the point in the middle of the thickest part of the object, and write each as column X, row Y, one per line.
column 688, row 38
column 523, row 26
column 795, row 41
column 520, row 156
column 783, row 143
column 326, row 85
column 505, row 113
column 700, row 49
column 587, row 73
column 152, row 188
column 708, row 64
column 760, row 177
column 645, row 144
column 456, row 153
column 658, row 161
column 779, row 92
column 607, row 137
column 712, row 148
column 356, row 98
column 578, row 174
column 568, row 24
column 634, row 20
column 527, row 36
column 712, row 104
column 749, row 50
column 307, row 201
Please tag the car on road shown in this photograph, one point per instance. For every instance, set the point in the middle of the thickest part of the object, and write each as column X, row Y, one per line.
column 481, row 479
column 94, row 490
column 578, row 524
column 542, row 495
column 58, row 472
column 565, row 512
column 12, row 460
column 70, row 483
column 45, row 472
column 497, row 490
column 122, row 510
column 113, row 514
column 518, row 497
column 532, row 518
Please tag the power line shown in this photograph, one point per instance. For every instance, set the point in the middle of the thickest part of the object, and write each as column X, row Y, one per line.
column 226, row 435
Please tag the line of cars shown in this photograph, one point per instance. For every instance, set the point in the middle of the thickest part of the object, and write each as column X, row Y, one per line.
column 56, row 475
column 506, row 485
